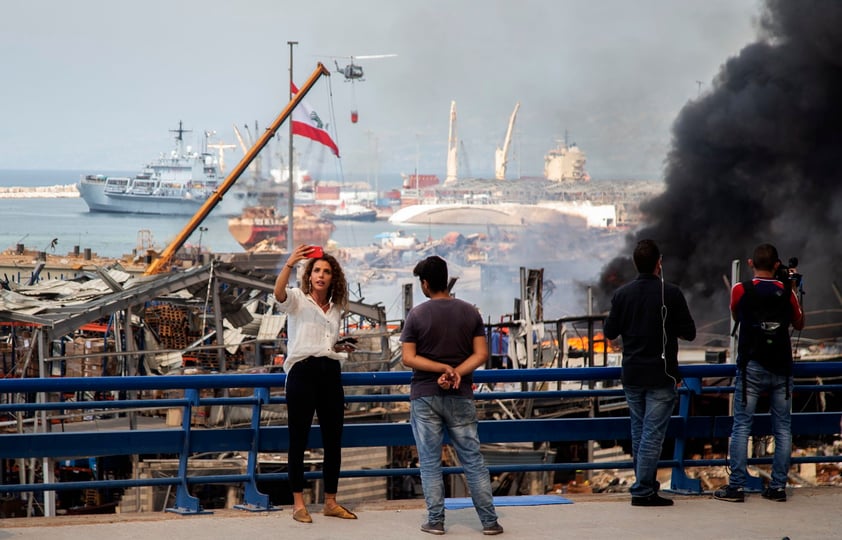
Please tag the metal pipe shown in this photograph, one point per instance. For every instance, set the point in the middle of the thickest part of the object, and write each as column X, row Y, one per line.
column 162, row 262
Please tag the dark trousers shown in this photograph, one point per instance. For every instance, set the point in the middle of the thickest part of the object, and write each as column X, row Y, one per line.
column 314, row 385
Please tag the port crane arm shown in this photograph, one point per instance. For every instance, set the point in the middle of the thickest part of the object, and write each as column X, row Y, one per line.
column 163, row 260
column 243, row 145
column 502, row 155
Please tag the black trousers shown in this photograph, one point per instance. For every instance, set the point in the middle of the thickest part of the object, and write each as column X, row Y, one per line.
column 314, row 385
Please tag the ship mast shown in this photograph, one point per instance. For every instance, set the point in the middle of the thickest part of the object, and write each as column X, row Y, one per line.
column 179, row 138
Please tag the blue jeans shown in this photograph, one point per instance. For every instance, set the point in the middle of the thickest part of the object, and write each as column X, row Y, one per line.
column 758, row 380
column 650, row 410
column 430, row 417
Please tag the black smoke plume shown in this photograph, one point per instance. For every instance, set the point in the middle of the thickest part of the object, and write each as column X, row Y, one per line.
column 756, row 159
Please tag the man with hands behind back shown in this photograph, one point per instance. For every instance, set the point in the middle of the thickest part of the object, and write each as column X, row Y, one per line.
column 443, row 341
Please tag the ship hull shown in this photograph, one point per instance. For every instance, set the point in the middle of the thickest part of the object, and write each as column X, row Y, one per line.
column 260, row 226
column 176, row 183
column 368, row 215
column 95, row 196
column 576, row 214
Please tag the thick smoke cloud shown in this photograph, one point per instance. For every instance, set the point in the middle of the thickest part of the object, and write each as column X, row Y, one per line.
column 757, row 159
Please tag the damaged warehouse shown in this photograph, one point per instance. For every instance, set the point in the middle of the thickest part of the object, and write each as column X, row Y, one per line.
column 111, row 323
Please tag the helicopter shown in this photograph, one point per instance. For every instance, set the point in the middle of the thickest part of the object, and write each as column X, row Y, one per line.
column 354, row 72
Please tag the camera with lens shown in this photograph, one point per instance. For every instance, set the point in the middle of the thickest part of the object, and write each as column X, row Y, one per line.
column 787, row 273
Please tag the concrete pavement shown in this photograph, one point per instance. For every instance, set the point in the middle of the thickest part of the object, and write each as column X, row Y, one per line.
column 810, row 513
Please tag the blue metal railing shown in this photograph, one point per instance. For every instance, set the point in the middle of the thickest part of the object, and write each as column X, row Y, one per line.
column 186, row 441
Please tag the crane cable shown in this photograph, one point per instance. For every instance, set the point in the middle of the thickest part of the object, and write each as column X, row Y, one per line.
column 332, row 113
column 207, row 301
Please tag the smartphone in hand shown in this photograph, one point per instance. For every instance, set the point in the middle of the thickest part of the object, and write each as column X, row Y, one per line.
column 348, row 341
column 316, row 252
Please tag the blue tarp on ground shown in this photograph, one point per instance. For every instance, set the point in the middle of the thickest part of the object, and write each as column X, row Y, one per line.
column 509, row 500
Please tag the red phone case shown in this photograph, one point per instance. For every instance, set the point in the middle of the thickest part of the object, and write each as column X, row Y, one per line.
column 316, row 253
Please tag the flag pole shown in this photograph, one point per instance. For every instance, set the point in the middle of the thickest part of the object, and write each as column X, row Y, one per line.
column 291, row 195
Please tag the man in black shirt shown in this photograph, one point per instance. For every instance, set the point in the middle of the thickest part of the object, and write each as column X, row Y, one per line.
column 650, row 315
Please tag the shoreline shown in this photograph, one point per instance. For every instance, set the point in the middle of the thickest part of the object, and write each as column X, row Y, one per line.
column 58, row 191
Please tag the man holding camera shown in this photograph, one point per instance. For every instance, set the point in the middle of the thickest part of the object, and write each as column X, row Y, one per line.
column 763, row 308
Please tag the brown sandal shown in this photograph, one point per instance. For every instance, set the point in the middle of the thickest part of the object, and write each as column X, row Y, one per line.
column 339, row 511
column 302, row 515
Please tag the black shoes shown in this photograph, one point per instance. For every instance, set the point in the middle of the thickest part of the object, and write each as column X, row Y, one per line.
column 491, row 530
column 735, row 494
column 433, row 528
column 731, row 494
column 651, row 500
column 438, row 528
column 774, row 494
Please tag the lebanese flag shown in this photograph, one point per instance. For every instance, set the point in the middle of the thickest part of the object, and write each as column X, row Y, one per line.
column 306, row 122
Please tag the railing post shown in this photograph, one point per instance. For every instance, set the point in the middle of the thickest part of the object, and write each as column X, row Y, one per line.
column 184, row 502
column 253, row 499
column 680, row 481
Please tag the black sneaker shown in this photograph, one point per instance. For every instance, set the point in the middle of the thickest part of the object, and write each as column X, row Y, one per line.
column 492, row 529
column 651, row 500
column 774, row 494
column 433, row 528
column 730, row 494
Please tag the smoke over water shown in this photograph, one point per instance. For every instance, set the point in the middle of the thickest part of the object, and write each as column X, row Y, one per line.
column 756, row 159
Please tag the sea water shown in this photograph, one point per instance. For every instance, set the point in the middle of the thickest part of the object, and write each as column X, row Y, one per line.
column 57, row 225
column 37, row 222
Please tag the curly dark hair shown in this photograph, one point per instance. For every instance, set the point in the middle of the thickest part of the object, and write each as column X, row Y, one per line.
column 338, row 291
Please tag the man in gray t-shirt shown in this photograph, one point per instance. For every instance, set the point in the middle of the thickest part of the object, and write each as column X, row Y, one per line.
column 444, row 342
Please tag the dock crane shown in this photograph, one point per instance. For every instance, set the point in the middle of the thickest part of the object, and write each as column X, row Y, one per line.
column 501, row 155
column 162, row 262
column 452, row 149
column 463, row 159
column 221, row 148
column 245, row 148
column 257, row 164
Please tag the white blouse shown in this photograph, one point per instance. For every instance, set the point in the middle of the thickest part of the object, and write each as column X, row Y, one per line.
column 312, row 332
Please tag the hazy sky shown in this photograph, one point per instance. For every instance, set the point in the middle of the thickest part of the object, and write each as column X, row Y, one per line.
column 97, row 84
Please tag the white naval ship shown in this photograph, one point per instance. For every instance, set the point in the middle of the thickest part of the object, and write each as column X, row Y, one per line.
column 177, row 183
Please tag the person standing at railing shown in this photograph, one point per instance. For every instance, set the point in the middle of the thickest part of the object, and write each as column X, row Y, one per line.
column 650, row 314
column 313, row 368
column 443, row 341
column 764, row 308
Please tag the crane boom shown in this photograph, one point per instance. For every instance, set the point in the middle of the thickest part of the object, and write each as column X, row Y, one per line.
column 245, row 147
column 463, row 154
column 221, row 147
column 163, row 260
column 501, row 155
column 452, row 149
column 239, row 136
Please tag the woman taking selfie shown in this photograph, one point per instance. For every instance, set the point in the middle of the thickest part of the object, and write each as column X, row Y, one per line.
column 313, row 368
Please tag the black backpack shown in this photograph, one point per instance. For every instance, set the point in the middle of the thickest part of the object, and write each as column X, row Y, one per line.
column 764, row 334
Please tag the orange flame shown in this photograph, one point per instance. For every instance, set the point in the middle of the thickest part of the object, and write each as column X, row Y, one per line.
column 599, row 343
